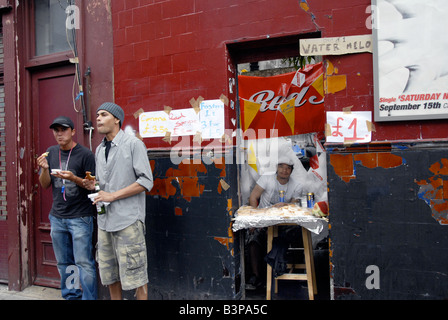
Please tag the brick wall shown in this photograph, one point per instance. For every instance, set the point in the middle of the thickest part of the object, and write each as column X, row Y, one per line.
column 168, row 52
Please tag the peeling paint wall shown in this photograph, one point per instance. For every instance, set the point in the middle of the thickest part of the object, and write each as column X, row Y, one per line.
column 193, row 253
column 168, row 53
column 434, row 191
column 388, row 208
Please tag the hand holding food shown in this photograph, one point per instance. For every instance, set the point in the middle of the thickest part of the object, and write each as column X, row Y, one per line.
column 89, row 176
column 42, row 160
column 89, row 181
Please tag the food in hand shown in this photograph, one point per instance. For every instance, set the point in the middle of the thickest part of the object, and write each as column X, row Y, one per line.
column 89, row 176
column 45, row 154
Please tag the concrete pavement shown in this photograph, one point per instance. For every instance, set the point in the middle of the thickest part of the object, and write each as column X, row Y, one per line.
column 30, row 293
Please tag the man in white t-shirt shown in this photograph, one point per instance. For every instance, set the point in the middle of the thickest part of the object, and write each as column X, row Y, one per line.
column 266, row 193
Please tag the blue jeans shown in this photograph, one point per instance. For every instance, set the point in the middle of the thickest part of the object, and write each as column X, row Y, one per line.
column 72, row 245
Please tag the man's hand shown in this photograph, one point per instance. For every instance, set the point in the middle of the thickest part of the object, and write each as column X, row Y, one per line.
column 65, row 175
column 88, row 184
column 104, row 196
column 42, row 161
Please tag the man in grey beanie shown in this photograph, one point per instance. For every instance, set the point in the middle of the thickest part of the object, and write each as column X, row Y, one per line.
column 113, row 109
column 124, row 174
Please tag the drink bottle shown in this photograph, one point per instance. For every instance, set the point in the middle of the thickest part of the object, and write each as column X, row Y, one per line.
column 100, row 207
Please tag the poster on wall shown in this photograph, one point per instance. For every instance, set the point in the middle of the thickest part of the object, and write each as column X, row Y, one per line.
column 212, row 119
column 291, row 103
column 182, row 122
column 410, row 65
column 209, row 121
column 349, row 127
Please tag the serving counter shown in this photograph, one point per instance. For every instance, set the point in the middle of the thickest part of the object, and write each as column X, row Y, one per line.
column 314, row 230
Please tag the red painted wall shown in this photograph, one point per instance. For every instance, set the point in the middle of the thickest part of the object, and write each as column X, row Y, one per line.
column 167, row 52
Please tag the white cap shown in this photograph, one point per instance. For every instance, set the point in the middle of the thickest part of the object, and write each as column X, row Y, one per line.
column 285, row 160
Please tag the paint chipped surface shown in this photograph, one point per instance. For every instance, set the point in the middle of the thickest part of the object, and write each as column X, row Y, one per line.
column 344, row 164
column 185, row 180
column 333, row 82
column 305, row 7
column 226, row 241
column 434, row 191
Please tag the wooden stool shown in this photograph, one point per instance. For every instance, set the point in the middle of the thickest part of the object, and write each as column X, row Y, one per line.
column 309, row 274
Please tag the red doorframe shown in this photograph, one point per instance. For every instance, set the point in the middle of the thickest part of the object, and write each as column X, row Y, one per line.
column 15, row 280
column 20, row 152
column 51, row 97
column 20, row 62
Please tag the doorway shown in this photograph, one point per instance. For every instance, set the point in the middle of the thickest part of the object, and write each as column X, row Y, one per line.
column 270, row 58
column 51, row 97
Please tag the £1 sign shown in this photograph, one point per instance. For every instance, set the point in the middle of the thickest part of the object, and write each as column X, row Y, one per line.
column 349, row 127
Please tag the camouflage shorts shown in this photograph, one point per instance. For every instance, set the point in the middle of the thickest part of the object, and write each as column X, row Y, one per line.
column 121, row 256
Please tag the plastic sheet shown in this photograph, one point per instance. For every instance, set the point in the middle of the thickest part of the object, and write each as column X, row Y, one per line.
column 247, row 217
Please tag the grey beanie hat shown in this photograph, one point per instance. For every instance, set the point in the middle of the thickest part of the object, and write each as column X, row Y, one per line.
column 114, row 109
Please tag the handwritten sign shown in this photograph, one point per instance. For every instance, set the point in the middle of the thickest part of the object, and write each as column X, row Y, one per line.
column 181, row 122
column 349, row 127
column 212, row 119
column 336, row 45
column 209, row 121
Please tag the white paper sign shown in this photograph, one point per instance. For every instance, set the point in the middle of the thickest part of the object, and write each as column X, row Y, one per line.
column 212, row 119
column 336, row 45
column 181, row 122
column 349, row 127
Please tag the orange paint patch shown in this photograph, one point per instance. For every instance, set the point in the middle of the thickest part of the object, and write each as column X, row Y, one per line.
column 219, row 188
column 229, row 207
column 439, row 207
column 190, row 187
column 187, row 168
column 335, row 84
column 183, row 178
column 159, row 188
column 223, row 241
column 445, row 189
column 226, row 241
column 170, row 186
column 304, row 6
column 368, row 160
column 389, row 160
column 343, row 166
column 178, row 211
column 221, row 165
column 437, row 169
column 434, row 191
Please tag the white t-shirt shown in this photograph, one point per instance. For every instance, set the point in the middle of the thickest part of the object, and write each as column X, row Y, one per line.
column 272, row 188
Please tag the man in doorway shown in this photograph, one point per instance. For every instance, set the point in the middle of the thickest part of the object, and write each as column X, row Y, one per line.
column 124, row 174
column 71, row 215
column 266, row 193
